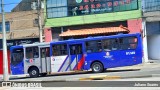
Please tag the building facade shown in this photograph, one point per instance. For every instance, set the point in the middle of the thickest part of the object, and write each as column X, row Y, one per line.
column 27, row 5
column 21, row 27
column 22, row 23
column 151, row 15
column 68, row 15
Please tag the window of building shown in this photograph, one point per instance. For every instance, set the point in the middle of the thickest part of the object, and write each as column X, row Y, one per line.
column 7, row 27
column 62, row 8
column 32, row 52
column 93, row 46
column 123, row 5
column 59, row 50
column 56, row 8
column 151, row 5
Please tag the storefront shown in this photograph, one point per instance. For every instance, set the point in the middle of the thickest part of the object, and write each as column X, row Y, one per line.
column 153, row 38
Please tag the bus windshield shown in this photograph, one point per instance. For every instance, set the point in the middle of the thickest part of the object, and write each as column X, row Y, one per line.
column 17, row 56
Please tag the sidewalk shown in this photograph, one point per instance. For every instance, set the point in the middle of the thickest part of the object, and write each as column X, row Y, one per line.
column 14, row 76
column 151, row 64
column 143, row 68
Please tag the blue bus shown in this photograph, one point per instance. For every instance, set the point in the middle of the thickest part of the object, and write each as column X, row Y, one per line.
column 96, row 53
column 32, row 59
column 92, row 53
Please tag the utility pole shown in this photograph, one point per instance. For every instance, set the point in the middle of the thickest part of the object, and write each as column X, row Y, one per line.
column 144, row 34
column 5, row 60
column 39, row 20
column 145, row 49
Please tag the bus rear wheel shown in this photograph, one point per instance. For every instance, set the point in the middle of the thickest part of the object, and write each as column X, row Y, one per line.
column 34, row 72
column 97, row 67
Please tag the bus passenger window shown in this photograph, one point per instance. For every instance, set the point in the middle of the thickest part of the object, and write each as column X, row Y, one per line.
column 35, row 52
column 29, row 53
column 32, row 52
column 93, row 46
column 47, row 52
column 114, row 44
column 59, row 49
column 75, row 49
column 43, row 54
column 128, row 43
column 107, row 45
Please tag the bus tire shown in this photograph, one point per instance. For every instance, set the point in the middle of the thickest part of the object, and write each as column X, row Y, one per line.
column 97, row 67
column 34, row 72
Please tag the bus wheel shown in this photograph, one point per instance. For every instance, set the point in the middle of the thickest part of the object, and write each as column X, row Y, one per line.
column 34, row 72
column 97, row 67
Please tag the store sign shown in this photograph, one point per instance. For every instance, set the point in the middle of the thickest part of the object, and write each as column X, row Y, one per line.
column 81, row 7
column 19, row 42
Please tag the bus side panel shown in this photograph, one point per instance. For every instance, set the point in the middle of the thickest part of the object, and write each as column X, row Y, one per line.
column 80, row 65
column 17, row 69
column 72, row 63
column 139, row 50
column 127, row 58
column 77, row 62
column 107, row 61
column 59, row 63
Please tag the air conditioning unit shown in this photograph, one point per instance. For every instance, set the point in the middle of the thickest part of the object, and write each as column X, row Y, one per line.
column 35, row 22
column 34, row 5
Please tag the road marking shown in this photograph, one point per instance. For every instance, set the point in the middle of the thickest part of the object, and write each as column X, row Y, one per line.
column 100, row 77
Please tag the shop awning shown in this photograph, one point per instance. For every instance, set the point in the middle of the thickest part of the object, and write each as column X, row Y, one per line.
column 94, row 31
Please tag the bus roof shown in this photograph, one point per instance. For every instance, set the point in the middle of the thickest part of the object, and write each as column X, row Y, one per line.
column 95, row 38
column 29, row 45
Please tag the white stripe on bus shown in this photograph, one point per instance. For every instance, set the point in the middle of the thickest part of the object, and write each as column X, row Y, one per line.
column 66, row 64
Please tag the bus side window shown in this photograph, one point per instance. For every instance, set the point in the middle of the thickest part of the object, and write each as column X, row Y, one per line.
column 107, row 45
column 35, row 52
column 29, row 53
column 93, row 46
column 114, row 44
column 75, row 49
column 32, row 52
column 128, row 43
column 133, row 42
column 47, row 52
column 60, row 49
column 43, row 53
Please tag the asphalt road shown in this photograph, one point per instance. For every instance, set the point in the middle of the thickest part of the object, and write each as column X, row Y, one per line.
column 75, row 76
column 125, row 84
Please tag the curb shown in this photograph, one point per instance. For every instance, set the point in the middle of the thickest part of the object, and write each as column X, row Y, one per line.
column 117, row 77
column 155, row 75
column 102, row 77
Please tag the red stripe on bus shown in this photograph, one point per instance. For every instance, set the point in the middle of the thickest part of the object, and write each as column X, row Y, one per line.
column 81, row 63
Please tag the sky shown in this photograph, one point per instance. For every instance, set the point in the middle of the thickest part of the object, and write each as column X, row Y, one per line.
column 9, row 5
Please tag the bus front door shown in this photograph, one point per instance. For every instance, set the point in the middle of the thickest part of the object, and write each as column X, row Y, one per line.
column 45, row 59
column 76, row 57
